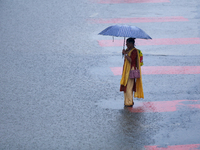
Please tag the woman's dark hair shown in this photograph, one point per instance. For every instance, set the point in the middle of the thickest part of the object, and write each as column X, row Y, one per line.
column 131, row 40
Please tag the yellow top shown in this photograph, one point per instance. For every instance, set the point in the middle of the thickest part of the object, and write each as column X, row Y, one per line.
column 126, row 70
column 139, row 87
column 125, row 76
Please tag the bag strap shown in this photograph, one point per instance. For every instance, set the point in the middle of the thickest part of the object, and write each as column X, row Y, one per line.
column 137, row 59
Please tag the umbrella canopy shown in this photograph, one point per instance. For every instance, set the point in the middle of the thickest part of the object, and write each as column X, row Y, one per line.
column 125, row 31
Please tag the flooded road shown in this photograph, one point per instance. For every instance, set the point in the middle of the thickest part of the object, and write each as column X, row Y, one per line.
column 60, row 80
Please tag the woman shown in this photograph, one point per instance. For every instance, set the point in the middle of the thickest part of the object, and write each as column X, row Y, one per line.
column 131, row 61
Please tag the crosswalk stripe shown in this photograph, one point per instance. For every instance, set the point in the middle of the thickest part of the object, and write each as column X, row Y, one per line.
column 142, row 42
column 153, row 70
column 175, row 147
column 139, row 20
column 163, row 106
column 129, row 1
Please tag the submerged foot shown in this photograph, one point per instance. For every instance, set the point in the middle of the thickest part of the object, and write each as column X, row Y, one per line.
column 129, row 105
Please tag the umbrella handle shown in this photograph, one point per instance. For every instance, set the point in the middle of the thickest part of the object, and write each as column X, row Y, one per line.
column 124, row 46
column 124, row 43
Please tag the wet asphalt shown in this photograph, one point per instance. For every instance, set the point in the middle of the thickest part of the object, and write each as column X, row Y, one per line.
column 58, row 92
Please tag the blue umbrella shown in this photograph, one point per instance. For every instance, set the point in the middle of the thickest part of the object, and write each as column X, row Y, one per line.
column 125, row 31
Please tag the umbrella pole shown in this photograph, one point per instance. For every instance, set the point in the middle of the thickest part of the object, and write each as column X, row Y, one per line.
column 124, row 43
column 124, row 46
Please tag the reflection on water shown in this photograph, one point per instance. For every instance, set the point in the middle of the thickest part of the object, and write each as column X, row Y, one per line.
column 132, row 127
column 138, row 129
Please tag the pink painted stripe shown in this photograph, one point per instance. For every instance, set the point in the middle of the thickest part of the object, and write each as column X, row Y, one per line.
column 175, row 147
column 150, row 70
column 163, row 106
column 142, row 42
column 140, row 20
column 129, row 1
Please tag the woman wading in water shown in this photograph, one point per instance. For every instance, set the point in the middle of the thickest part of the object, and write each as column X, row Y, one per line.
column 131, row 62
